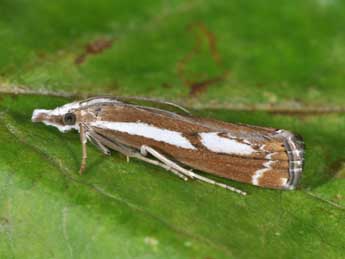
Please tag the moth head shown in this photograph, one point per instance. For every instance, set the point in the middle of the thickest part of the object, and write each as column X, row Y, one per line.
column 64, row 118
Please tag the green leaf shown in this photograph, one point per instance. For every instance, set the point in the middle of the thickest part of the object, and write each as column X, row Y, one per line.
column 276, row 64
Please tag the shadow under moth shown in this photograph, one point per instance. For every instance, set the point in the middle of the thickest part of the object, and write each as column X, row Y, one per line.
column 180, row 142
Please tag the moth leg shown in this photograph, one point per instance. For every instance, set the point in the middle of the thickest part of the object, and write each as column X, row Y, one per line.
column 157, row 163
column 128, row 152
column 83, row 140
column 146, row 149
column 99, row 145
column 108, row 144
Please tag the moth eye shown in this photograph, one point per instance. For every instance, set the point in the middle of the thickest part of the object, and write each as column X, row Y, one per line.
column 69, row 118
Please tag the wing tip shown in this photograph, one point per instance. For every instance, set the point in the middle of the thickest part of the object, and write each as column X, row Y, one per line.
column 295, row 146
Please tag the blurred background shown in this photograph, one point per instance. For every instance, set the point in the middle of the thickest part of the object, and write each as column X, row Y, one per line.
column 271, row 63
column 228, row 52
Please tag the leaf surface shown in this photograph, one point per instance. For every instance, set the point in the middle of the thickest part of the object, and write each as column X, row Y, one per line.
column 277, row 65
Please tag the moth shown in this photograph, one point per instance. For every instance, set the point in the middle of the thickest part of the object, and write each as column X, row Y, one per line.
column 180, row 142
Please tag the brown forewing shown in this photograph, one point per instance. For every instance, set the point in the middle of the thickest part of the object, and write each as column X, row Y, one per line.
column 236, row 167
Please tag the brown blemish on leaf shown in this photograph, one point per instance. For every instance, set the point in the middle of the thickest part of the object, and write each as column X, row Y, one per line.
column 199, row 86
column 41, row 55
column 166, row 85
column 212, row 43
column 338, row 169
column 4, row 221
column 92, row 48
